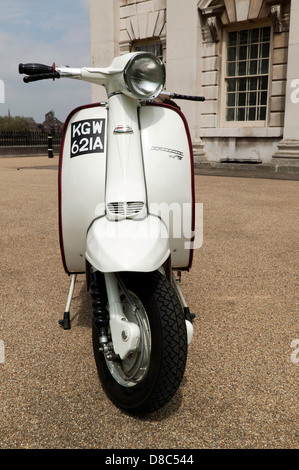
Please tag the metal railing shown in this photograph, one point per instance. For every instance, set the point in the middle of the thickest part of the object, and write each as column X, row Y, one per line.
column 27, row 139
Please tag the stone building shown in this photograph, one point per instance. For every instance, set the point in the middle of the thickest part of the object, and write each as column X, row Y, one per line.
column 51, row 124
column 242, row 55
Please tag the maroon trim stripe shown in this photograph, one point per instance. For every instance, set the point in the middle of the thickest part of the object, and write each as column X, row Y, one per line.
column 93, row 105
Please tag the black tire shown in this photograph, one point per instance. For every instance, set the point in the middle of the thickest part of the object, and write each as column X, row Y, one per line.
column 168, row 353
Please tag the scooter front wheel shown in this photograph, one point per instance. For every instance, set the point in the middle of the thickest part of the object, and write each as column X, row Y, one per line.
column 149, row 377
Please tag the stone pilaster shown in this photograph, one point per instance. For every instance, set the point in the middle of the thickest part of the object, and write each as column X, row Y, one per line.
column 288, row 147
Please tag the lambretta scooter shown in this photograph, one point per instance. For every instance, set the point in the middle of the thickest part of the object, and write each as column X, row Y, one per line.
column 126, row 221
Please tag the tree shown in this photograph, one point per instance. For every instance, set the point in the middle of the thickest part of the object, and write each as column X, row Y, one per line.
column 17, row 123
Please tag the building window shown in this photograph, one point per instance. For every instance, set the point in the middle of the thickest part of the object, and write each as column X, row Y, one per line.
column 247, row 74
column 156, row 48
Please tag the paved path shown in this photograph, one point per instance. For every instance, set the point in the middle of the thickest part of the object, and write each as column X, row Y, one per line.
column 240, row 388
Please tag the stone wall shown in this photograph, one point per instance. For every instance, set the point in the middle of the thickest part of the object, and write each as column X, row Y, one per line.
column 193, row 33
column 222, row 141
column 141, row 20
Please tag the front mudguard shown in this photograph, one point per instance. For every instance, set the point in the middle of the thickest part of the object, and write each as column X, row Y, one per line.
column 127, row 245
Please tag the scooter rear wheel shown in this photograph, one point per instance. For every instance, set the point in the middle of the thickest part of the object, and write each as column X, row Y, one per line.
column 151, row 376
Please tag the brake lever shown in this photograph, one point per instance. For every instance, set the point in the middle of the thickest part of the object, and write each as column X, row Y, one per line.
column 41, row 76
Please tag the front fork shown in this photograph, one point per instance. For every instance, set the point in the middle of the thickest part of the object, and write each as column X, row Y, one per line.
column 125, row 335
column 100, row 313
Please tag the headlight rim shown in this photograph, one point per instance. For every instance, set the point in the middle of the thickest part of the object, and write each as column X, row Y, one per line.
column 160, row 85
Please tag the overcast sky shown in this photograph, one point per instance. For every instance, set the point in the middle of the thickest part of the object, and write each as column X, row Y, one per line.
column 43, row 31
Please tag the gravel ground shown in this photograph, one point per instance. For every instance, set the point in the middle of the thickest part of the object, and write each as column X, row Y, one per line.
column 240, row 388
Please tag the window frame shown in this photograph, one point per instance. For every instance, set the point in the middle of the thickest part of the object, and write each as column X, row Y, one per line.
column 149, row 42
column 248, row 124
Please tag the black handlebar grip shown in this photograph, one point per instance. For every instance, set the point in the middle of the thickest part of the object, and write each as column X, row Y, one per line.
column 187, row 97
column 35, row 69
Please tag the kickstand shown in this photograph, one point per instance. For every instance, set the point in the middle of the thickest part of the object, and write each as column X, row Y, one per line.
column 188, row 316
column 66, row 322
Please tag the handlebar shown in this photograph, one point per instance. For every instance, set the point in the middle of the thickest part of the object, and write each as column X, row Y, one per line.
column 37, row 72
column 187, row 97
column 173, row 96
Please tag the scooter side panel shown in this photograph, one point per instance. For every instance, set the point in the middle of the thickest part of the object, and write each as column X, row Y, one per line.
column 168, row 165
column 82, row 172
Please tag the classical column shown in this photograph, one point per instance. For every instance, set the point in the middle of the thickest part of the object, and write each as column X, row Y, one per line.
column 183, row 62
column 288, row 147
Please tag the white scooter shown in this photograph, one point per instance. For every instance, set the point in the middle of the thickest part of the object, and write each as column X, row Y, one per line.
column 126, row 221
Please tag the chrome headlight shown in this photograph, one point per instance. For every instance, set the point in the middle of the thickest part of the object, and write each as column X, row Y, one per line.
column 144, row 75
